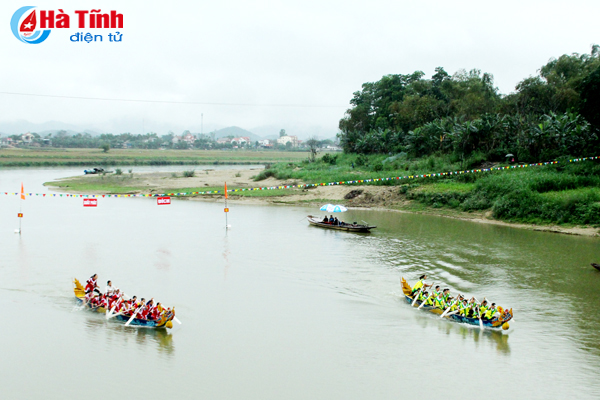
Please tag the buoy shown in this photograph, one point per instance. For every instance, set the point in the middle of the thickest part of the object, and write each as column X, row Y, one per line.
column 169, row 324
column 505, row 325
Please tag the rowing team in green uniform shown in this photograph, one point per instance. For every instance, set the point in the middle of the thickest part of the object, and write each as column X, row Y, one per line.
column 442, row 299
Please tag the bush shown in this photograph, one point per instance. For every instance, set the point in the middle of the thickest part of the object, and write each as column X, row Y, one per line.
column 189, row 174
column 328, row 158
column 118, row 171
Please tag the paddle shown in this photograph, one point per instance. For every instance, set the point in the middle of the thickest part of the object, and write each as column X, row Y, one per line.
column 416, row 297
column 133, row 316
column 115, row 315
column 176, row 320
column 424, row 301
column 448, row 309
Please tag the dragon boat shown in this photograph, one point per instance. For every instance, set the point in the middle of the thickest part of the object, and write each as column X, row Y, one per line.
column 500, row 321
column 166, row 320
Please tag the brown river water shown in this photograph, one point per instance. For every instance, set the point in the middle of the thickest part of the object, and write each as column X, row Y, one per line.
column 276, row 309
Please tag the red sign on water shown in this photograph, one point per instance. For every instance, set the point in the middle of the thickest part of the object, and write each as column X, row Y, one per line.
column 90, row 202
column 161, row 201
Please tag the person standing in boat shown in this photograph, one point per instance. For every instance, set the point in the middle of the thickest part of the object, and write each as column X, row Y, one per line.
column 420, row 284
column 92, row 284
column 110, row 289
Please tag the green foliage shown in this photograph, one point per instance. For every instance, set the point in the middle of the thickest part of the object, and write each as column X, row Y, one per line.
column 463, row 114
column 118, row 171
column 105, row 147
column 189, row 173
column 328, row 158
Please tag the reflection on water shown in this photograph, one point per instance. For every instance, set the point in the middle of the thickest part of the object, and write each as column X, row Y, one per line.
column 274, row 304
column 118, row 335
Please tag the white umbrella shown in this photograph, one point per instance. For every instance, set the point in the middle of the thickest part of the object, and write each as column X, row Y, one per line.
column 326, row 207
column 336, row 208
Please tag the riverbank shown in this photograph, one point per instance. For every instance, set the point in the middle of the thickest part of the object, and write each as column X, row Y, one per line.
column 50, row 157
column 403, row 198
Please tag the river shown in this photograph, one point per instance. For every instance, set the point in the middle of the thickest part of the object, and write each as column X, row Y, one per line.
column 276, row 309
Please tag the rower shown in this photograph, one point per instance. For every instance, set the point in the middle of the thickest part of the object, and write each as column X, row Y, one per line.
column 464, row 308
column 110, row 289
column 439, row 301
column 92, row 284
column 473, row 308
column 420, row 284
column 446, row 294
column 484, row 307
column 489, row 314
column 326, row 220
column 423, row 296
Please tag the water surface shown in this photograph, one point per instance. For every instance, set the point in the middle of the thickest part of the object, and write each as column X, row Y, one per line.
column 276, row 309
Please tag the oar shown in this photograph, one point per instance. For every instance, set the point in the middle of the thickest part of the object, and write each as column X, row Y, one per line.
column 176, row 320
column 453, row 312
column 115, row 315
column 424, row 301
column 416, row 297
column 133, row 316
column 480, row 321
column 447, row 309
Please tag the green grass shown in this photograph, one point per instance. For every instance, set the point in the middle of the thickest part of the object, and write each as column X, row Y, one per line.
column 44, row 157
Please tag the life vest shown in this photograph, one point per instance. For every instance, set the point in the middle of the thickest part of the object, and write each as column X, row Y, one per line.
column 429, row 301
column 440, row 303
column 418, row 285
column 490, row 313
column 90, row 285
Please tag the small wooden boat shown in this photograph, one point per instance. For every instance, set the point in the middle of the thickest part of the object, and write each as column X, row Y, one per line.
column 500, row 321
column 166, row 320
column 597, row 266
column 316, row 221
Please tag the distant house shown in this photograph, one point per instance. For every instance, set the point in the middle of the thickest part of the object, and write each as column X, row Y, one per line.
column 27, row 137
column 284, row 140
column 240, row 140
column 265, row 143
column 5, row 141
column 224, row 140
column 188, row 137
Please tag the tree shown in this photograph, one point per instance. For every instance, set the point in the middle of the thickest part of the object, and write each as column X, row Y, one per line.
column 313, row 145
column 282, row 133
column 590, row 96
column 105, row 147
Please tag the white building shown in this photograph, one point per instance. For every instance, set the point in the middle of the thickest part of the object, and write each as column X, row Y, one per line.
column 283, row 140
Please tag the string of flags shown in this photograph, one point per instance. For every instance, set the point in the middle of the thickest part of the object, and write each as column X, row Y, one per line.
column 184, row 194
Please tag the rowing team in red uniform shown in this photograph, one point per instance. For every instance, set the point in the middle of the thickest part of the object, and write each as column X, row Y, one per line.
column 114, row 300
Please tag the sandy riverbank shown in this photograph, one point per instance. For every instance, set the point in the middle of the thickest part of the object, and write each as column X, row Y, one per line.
column 386, row 198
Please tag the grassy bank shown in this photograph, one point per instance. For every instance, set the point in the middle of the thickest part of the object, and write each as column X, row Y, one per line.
column 564, row 193
column 45, row 157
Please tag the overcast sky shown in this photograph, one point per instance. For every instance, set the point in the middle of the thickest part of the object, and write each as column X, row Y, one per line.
column 313, row 54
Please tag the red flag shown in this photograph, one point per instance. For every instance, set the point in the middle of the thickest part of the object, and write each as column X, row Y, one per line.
column 225, row 189
column 22, row 192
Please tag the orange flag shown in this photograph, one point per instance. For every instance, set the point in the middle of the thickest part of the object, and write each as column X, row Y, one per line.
column 22, row 192
column 225, row 189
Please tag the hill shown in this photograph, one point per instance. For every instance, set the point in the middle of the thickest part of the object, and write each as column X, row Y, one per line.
column 236, row 131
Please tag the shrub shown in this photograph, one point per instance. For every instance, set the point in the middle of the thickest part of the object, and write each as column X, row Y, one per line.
column 189, row 174
column 118, row 171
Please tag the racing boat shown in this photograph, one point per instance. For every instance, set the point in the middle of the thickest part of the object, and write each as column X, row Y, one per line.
column 500, row 320
column 166, row 320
